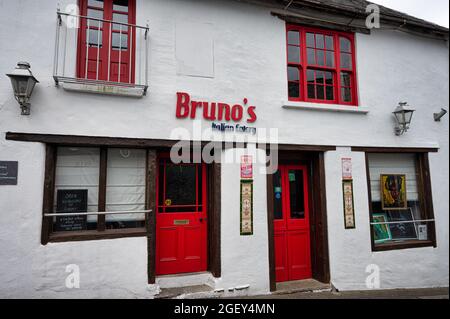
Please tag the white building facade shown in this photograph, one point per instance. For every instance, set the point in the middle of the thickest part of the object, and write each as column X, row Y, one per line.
column 305, row 86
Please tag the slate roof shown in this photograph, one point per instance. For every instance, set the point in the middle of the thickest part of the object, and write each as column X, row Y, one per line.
column 359, row 7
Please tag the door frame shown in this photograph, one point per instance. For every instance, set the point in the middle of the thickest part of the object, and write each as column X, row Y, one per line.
column 318, row 213
column 213, row 185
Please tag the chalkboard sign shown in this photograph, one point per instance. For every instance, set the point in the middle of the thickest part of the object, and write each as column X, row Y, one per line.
column 71, row 201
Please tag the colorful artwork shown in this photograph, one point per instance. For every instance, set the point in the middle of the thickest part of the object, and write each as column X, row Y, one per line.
column 393, row 192
column 246, row 208
column 381, row 232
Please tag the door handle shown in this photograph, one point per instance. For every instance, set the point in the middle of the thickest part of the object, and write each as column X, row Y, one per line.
column 203, row 219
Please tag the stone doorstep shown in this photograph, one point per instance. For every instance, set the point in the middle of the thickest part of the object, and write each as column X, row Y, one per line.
column 309, row 285
column 185, row 292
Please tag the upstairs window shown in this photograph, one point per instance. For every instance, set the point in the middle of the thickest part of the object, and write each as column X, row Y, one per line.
column 107, row 41
column 321, row 66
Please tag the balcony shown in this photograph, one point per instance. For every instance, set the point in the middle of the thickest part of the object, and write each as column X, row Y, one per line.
column 101, row 56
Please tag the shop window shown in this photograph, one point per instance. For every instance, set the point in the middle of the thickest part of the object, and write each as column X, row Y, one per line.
column 401, row 207
column 98, row 190
column 321, row 66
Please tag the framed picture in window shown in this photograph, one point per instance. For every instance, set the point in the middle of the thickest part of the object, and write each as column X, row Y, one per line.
column 381, row 232
column 393, row 192
column 402, row 231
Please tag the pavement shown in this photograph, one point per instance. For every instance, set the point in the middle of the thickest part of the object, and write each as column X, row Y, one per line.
column 433, row 293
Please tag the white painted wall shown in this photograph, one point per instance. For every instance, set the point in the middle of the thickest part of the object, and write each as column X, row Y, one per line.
column 249, row 61
column 245, row 259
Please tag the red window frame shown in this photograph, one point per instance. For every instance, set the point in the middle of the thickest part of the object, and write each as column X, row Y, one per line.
column 303, row 66
column 108, row 12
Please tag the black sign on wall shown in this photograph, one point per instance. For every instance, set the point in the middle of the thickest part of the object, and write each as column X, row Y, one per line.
column 8, row 173
column 71, row 201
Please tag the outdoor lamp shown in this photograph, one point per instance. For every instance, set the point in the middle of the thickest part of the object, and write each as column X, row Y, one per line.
column 23, row 83
column 403, row 115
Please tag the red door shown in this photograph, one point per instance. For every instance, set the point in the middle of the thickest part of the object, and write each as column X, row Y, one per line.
column 181, row 220
column 291, row 224
column 106, row 49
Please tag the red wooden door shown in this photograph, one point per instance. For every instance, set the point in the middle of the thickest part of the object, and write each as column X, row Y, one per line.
column 291, row 224
column 106, row 49
column 181, row 220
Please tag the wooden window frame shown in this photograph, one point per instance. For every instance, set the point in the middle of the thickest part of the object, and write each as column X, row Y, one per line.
column 303, row 66
column 48, row 235
column 425, row 196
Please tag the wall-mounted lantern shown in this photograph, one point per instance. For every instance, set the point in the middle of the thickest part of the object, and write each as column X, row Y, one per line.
column 23, row 83
column 403, row 115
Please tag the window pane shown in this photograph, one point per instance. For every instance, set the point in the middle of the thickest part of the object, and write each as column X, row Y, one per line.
column 320, row 94
column 311, row 56
column 76, row 188
column 95, row 3
column 125, row 187
column 122, row 18
column 394, row 187
column 329, row 78
column 293, row 37
column 293, row 54
column 311, row 91
column 294, row 89
column 180, row 184
column 310, row 40
column 329, row 43
column 296, row 194
column 346, row 61
column 95, row 38
column 346, row 94
column 277, row 201
column 330, row 59
column 320, row 41
column 345, row 45
column 120, row 5
column 330, row 93
column 320, row 57
column 346, row 79
column 311, row 76
column 96, row 14
column 293, row 74
column 320, row 77
column 120, row 41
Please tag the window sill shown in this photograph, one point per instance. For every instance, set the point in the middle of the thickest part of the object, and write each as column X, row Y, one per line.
column 322, row 107
column 405, row 245
column 102, row 87
column 96, row 235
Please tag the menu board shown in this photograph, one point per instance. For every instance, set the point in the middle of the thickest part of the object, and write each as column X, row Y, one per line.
column 8, row 172
column 71, row 201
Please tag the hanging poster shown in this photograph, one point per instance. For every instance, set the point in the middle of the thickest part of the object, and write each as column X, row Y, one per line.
column 246, row 208
column 349, row 209
column 246, row 167
column 347, row 170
